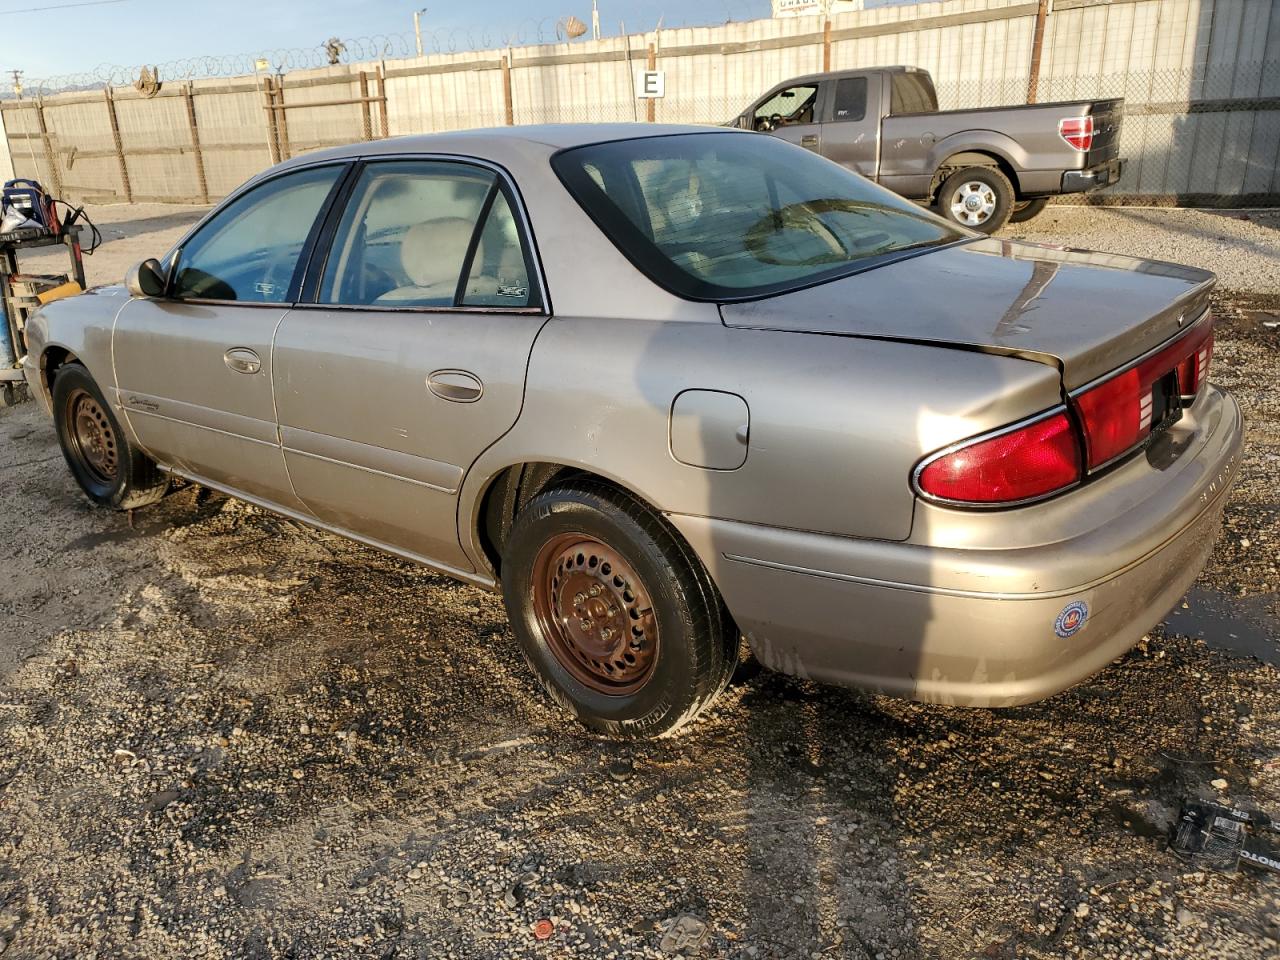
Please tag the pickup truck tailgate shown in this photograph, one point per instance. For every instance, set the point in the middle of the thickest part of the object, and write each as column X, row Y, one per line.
column 1107, row 117
column 1085, row 313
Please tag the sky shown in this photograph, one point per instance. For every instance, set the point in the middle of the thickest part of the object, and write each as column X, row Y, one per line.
column 77, row 39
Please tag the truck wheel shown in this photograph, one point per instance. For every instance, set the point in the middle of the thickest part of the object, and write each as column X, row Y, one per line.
column 615, row 614
column 980, row 198
column 1024, row 210
column 108, row 468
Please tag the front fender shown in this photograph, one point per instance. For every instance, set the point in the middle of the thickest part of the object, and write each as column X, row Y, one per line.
column 78, row 327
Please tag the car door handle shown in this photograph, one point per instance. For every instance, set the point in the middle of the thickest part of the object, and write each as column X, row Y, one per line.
column 456, row 385
column 242, row 360
column 809, row 140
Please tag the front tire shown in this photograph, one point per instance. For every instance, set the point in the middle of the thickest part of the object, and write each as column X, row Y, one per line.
column 614, row 613
column 110, row 470
column 980, row 198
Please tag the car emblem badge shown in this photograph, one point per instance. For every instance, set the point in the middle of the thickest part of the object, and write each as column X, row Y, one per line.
column 1071, row 619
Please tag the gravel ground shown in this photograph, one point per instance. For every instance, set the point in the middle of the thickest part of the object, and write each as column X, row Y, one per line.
column 225, row 735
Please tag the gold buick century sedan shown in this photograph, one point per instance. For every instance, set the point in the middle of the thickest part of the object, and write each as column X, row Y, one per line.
column 666, row 387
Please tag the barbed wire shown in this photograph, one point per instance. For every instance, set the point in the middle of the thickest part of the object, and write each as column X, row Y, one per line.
column 380, row 46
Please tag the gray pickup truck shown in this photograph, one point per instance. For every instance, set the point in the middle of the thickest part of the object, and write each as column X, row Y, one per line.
column 980, row 168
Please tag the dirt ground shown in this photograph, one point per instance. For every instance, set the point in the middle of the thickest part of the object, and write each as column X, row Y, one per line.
column 226, row 735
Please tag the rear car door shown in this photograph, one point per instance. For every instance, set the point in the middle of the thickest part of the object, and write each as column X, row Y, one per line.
column 194, row 367
column 793, row 113
column 407, row 357
column 851, row 133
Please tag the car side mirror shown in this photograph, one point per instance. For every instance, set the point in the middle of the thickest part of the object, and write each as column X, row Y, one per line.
column 146, row 279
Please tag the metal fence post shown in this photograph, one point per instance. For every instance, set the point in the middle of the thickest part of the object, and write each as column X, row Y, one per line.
column 269, row 105
column 382, row 99
column 366, row 114
column 650, row 105
column 201, row 179
column 1037, row 44
column 508, row 109
column 51, row 158
column 115, row 138
column 282, row 119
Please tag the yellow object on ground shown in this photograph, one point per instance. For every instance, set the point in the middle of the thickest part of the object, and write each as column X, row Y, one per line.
column 68, row 289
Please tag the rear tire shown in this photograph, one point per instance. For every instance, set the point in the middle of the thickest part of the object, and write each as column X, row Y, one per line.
column 1025, row 210
column 980, row 198
column 614, row 613
column 110, row 470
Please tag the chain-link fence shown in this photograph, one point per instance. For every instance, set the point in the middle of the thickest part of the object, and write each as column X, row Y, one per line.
column 1202, row 131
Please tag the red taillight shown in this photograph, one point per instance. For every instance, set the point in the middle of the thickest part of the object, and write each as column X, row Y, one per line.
column 1117, row 413
column 1077, row 131
column 1025, row 463
column 1194, row 371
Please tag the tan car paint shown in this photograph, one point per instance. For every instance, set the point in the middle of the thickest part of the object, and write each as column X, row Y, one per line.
column 830, row 565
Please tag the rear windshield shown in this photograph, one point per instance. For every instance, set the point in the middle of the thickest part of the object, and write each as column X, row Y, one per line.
column 736, row 216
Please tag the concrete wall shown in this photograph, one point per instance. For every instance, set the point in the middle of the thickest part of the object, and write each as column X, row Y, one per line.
column 1201, row 79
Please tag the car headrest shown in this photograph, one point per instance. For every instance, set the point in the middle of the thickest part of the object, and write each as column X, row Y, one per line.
column 432, row 252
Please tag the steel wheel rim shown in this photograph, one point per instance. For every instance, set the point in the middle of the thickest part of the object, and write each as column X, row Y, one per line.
column 92, row 437
column 595, row 613
column 973, row 203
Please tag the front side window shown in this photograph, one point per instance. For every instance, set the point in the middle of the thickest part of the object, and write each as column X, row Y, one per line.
column 733, row 216
column 413, row 228
column 787, row 107
column 249, row 251
column 851, row 99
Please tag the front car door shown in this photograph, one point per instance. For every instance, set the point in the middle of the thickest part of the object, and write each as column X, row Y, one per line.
column 792, row 113
column 193, row 368
column 851, row 133
column 407, row 357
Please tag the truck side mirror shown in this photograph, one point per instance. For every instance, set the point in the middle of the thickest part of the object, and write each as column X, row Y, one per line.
column 145, row 280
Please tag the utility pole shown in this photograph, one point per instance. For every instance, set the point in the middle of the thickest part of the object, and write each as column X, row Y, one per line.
column 417, row 27
column 17, row 83
column 595, row 21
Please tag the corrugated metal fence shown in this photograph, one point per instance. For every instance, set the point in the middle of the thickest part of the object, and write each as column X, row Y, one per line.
column 1201, row 79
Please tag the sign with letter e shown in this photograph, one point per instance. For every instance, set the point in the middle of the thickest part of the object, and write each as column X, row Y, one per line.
column 651, row 84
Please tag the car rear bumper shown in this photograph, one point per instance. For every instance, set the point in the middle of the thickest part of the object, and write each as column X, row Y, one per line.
column 976, row 608
column 1093, row 178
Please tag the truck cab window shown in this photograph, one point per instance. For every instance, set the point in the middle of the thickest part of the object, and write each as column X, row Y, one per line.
column 851, row 99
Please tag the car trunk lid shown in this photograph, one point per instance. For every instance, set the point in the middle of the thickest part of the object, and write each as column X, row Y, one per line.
column 1086, row 313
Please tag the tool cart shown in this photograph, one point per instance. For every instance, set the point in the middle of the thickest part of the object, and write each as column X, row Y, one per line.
column 21, row 294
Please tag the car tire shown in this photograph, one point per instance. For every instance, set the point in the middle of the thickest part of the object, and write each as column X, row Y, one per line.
column 1025, row 210
column 980, row 198
column 614, row 613
column 110, row 470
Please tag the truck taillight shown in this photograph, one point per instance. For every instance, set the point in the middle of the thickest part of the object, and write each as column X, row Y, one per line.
column 1018, row 465
column 1077, row 131
column 1121, row 411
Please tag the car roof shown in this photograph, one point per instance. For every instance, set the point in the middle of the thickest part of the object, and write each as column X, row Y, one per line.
column 495, row 142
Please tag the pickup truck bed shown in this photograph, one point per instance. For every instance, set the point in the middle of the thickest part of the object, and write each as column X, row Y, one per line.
column 884, row 124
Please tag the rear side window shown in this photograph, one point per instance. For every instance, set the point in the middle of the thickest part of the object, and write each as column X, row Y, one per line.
column 912, row 93
column 733, row 216
column 250, row 249
column 851, row 99
column 413, row 229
